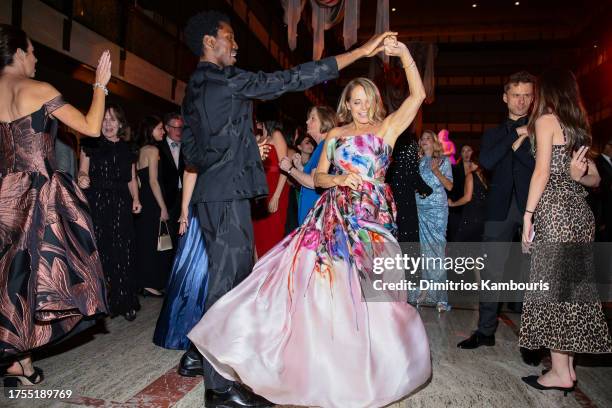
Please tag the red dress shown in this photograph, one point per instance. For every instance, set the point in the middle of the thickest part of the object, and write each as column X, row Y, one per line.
column 270, row 228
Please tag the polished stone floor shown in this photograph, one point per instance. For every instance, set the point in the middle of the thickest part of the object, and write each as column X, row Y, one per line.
column 115, row 364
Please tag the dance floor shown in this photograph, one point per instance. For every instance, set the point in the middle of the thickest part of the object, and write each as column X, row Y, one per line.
column 115, row 364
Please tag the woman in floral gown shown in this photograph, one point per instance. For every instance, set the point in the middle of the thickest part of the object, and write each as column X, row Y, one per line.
column 308, row 326
column 50, row 271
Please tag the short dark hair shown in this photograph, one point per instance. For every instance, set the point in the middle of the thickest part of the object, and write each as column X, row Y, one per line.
column 170, row 116
column 203, row 23
column 11, row 39
column 523, row 77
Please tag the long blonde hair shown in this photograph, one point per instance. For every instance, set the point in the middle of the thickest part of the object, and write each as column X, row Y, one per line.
column 376, row 112
column 438, row 149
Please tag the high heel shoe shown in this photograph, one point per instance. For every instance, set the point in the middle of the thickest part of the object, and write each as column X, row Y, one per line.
column 532, row 381
column 547, row 370
column 14, row 380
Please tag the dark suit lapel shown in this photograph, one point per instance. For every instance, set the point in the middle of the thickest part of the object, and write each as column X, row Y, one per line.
column 165, row 149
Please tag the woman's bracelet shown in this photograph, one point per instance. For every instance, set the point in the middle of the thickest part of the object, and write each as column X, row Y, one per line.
column 102, row 87
column 530, row 212
column 412, row 64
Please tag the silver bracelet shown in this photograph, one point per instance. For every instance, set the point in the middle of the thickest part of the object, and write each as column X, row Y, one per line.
column 102, row 87
column 412, row 64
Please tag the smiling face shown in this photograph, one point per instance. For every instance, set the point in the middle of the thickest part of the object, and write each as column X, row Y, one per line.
column 359, row 105
column 306, row 146
column 110, row 124
column 313, row 124
column 222, row 49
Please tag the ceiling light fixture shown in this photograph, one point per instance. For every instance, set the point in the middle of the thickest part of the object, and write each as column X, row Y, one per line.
column 516, row 3
column 474, row 5
column 393, row 9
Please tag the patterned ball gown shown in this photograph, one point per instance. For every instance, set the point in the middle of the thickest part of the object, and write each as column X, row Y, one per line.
column 306, row 327
column 50, row 271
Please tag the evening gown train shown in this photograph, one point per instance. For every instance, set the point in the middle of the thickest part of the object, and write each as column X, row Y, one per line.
column 152, row 266
column 298, row 330
column 50, row 271
column 568, row 316
column 186, row 290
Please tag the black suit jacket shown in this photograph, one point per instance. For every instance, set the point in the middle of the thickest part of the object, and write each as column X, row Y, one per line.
column 169, row 175
column 510, row 171
column 218, row 137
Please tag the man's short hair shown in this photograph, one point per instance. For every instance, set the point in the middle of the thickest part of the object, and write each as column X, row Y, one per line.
column 203, row 23
column 523, row 77
column 171, row 116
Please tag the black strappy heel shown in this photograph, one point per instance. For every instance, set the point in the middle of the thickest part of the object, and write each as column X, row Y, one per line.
column 532, row 381
column 14, row 380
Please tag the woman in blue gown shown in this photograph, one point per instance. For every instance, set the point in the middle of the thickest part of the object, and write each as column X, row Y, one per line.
column 436, row 171
column 187, row 287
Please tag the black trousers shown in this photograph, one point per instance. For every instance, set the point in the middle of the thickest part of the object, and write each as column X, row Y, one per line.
column 228, row 236
column 496, row 233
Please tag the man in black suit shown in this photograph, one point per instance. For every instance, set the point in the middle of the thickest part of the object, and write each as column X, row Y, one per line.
column 171, row 167
column 604, row 167
column 218, row 141
column 506, row 154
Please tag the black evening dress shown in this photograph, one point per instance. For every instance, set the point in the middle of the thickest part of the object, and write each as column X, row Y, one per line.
column 110, row 170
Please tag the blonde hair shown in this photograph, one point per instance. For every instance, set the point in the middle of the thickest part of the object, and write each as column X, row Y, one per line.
column 438, row 149
column 376, row 112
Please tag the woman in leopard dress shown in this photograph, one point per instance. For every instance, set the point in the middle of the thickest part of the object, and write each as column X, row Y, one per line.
column 558, row 229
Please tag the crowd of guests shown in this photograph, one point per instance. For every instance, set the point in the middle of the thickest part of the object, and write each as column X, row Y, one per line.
column 140, row 219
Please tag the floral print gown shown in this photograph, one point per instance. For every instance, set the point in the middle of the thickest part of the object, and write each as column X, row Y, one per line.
column 50, row 270
column 308, row 326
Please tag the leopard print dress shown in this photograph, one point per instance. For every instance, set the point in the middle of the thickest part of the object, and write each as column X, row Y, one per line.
column 568, row 316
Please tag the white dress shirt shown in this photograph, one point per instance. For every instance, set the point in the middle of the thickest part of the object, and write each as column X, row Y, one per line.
column 175, row 149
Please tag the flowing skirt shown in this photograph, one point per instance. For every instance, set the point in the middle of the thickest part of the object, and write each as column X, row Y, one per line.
column 308, row 326
column 186, row 291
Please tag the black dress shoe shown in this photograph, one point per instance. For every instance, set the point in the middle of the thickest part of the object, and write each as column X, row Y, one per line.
column 532, row 380
column 191, row 364
column 476, row 340
column 235, row 397
column 544, row 371
column 531, row 357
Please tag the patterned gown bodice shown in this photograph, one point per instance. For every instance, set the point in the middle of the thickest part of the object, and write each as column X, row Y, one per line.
column 27, row 144
column 560, row 181
column 366, row 155
column 369, row 156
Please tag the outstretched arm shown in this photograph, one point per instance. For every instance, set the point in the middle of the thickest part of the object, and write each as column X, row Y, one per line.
column 261, row 85
column 395, row 124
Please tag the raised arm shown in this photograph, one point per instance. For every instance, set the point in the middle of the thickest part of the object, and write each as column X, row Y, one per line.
column 261, row 85
column 395, row 124
column 91, row 123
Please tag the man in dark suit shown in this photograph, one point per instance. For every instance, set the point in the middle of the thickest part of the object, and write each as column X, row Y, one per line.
column 506, row 154
column 218, row 142
column 604, row 167
column 171, row 167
